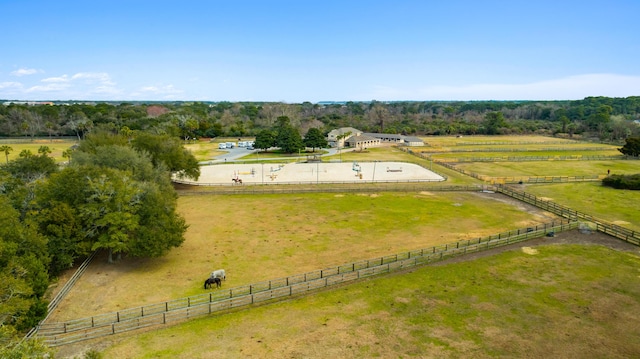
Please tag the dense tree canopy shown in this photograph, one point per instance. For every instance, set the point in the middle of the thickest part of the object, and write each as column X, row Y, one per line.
column 168, row 151
column 315, row 139
column 604, row 117
column 631, row 147
column 265, row 140
column 111, row 196
column 287, row 137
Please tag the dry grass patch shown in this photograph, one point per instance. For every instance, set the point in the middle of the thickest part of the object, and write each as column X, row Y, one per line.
column 257, row 238
column 56, row 146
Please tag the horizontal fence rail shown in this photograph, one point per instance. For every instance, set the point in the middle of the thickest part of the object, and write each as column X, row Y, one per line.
column 275, row 189
column 548, row 149
column 53, row 304
column 315, row 182
column 266, row 183
column 56, row 334
column 614, row 230
column 533, row 158
column 611, row 229
column 501, row 143
column 541, row 179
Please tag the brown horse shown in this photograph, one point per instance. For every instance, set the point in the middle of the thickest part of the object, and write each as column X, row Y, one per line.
column 237, row 180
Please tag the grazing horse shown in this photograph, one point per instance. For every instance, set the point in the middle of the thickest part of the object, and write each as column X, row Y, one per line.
column 220, row 273
column 210, row 281
column 237, row 180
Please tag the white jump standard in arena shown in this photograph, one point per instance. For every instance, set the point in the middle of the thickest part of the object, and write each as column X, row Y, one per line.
column 320, row 172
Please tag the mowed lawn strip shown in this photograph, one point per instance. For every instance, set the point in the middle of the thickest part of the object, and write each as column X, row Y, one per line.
column 556, row 301
column 262, row 237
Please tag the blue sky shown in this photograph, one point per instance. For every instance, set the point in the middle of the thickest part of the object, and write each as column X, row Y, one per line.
column 295, row 51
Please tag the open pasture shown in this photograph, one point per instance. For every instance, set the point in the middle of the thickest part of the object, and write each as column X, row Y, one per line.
column 526, row 153
column 621, row 207
column 57, row 147
column 551, row 168
column 512, row 143
column 262, row 237
column 516, row 146
column 547, row 301
column 204, row 150
column 475, row 141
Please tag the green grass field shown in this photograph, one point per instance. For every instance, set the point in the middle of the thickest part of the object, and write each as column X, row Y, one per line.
column 620, row 207
column 56, row 146
column 551, row 168
column 530, row 140
column 462, row 156
column 565, row 301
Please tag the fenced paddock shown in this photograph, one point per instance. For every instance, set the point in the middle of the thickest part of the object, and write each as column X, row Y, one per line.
column 611, row 229
column 56, row 334
column 312, row 173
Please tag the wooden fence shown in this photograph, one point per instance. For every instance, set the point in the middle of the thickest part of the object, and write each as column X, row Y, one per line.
column 614, row 230
column 289, row 183
column 547, row 149
column 56, row 334
column 53, row 304
column 540, row 179
column 406, row 187
column 501, row 143
column 521, row 179
column 532, row 158
column 611, row 229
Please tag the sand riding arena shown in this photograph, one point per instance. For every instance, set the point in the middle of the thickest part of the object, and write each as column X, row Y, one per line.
column 309, row 173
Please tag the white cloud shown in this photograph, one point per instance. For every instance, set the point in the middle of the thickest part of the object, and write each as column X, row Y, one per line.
column 165, row 91
column 567, row 88
column 10, row 85
column 81, row 85
column 25, row 72
column 93, row 77
column 63, row 78
column 111, row 90
column 48, row 88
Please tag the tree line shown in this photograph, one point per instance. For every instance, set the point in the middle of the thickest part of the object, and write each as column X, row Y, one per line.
column 602, row 117
column 115, row 194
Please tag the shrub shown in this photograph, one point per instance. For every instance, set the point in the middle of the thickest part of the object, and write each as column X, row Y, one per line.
column 622, row 181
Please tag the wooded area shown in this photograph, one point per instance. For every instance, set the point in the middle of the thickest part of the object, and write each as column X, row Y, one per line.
column 601, row 117
column 115, row 194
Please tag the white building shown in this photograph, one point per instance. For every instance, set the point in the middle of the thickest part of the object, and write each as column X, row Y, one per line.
column 352, row 137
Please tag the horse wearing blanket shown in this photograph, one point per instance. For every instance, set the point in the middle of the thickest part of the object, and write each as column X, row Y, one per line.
column 220, row 273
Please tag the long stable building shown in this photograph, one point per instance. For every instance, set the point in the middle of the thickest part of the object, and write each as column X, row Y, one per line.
column 352, row 137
